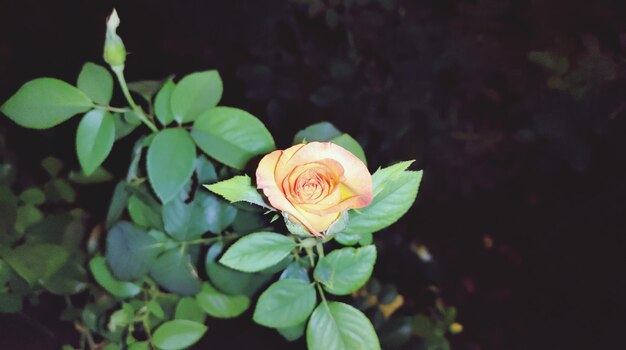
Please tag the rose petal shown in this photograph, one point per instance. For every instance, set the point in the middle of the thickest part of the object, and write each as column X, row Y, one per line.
column 266, row 181
column 357, row 177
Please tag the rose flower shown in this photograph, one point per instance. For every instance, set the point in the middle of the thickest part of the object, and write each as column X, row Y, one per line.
column 314, row 183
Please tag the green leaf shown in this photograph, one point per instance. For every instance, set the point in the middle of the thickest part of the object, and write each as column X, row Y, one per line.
column 388, row 206
column 178, row 334
column 323, row 131
column 8, row 211
column 103, row 276
column 70, row 279
column 144, row 208
column 221, row 305
column 238, row 189
column 170, row 162
column 174, row 271
column 119, row 200
column 190, row 221
column 140, row 345
column 33, row 195
column 339, row 326
column 62, row 229
column 52, row 165
column 94, row 139
column 195, row 94
column 145, row 88
column 345, row 270
column 292, row 333
column 285, row 303
column 122, row 127
column 96, row 82
column 295, row 270
column 188, row 309
column 60, row 190
column 143, row 214
column 326, row 131
column 27, row 216
column 231, row 281
column 396, row 332
column 35, row 262
column 388, row 175
column 231, row 136
column 99, row 175
column 205, row 170
column 155, row 308
column 162, row 105
column 45, row 102
column 130, row 251
column 258, row 251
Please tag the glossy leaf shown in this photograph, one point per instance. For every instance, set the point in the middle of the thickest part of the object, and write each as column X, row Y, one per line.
column 119, row 200
column 292, row 333
column 94, row 139
column 103, row 276
column 195, row 94
column 388, row 206
column 188, row 309
column 35, row 262
column 285, row 303
column 205, row 170
column 220, row 305
column 345, row 270
column 99, row 175
column 130, row 251
column 231, row 281
column 174, row 271
column 258, row 251
column 190, row 221
column 170, row 162
column 162, row 105
column 45, row 102
column 231, row 136
column 238, row 189
column 96, row 82
column 326, row 131
column 33, row 195
column 339, row 326
column 178, row 334
column 322, row 131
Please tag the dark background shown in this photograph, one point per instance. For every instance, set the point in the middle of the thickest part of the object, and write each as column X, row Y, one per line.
column 515, row 147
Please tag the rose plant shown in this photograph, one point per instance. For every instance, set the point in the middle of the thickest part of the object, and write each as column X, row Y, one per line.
column 176, row 252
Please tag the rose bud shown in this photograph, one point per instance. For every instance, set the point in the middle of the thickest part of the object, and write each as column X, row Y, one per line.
column 114, row 50
column 314, row 184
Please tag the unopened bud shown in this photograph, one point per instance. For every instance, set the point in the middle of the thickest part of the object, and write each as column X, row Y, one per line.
column 114, row 50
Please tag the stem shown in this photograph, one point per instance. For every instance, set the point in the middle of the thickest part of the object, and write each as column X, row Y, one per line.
column 85, row 332
column 119, row 73
column 320, row 249
column 212, row 239
column 321, row 291
column 116, row 109
column 309, row 252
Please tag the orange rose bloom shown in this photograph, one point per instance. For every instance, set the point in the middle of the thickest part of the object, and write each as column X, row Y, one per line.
column 314, row 183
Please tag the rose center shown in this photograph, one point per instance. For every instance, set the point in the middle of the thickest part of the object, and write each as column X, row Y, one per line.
column 310, row 183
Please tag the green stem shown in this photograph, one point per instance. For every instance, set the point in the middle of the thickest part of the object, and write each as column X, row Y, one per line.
column 212, row 239
column 115, row 109
column 119, row 73
column 320, row 249
column 309, row 252
column 321, row 291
